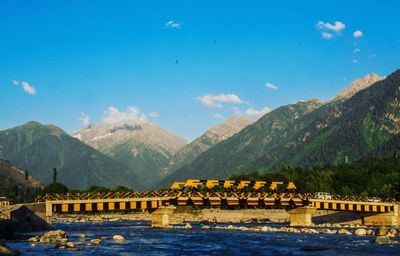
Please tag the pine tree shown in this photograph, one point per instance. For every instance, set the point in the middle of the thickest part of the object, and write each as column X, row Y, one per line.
column 54, row 175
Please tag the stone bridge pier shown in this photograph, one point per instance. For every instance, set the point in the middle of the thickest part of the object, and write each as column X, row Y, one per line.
column 161, row 218
column 385, row 219
column 302, row 216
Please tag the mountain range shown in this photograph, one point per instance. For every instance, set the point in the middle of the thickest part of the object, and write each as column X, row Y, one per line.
column 203, row 143
column 363, row 120
column 144, row 147
column 40, row 148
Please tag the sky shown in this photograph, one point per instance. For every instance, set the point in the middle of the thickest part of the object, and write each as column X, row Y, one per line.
column 185, row 65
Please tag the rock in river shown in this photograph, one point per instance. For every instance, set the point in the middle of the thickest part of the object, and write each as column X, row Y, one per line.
column 118, row 237
column 54, row 236
column 95, row 241
column 4, row 250
column 360, row 232
column 384, row 240
column 344, row 231
column 382, row 231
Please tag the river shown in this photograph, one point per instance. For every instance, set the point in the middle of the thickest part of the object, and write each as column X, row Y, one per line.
column 140, row 239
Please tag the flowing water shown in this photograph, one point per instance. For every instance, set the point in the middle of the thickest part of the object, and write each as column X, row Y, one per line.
column 140, row 239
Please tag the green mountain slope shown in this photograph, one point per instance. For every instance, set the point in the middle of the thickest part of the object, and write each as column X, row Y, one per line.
column 231, row 156
column 364, row 125
column 12, row 176
column 206, row 141
column 362, row 120
column 40, row 148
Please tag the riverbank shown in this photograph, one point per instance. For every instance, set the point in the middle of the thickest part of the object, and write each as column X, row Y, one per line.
column 218, row 221
column 188, row 214
column 115, row 237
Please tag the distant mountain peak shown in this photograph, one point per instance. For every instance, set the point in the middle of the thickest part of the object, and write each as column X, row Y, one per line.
column 32, row 123
column 207, row 140
column 143, row 146
column 358, row 85
column 231, row 126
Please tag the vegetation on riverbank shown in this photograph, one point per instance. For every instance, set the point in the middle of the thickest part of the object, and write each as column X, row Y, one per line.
column 369, row 177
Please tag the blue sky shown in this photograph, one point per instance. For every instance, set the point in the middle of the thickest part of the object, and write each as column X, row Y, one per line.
column 186, row 65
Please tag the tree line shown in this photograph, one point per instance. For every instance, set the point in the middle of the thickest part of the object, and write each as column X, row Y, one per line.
column 366, row 178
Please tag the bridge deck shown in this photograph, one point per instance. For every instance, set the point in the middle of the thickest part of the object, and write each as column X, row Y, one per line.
column 139, row 204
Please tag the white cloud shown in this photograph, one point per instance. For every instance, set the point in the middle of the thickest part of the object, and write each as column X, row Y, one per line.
column 326, row 35
column 131, row 116
column 216, row 101
column 257, row 113
column 172, row 24
column 358, row 34
column 26, row 86
column 218, row 116
column 328, row 30
column 354, row 61
column 337, row 27
column 356, row 50
column 271, row 86
column 154, row 114
column 84, row 119
column 237, row 111
column 371, row 56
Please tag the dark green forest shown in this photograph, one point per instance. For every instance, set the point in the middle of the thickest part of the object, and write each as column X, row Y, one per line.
column 366, row 178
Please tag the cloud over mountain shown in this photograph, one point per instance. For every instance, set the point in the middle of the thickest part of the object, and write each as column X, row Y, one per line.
column 132, row 116
column 217, row 101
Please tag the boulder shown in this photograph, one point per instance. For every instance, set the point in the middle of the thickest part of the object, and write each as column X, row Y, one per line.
column 392, row 232
column 205, row 227
column 293, row 230
column 309, row 231
column 34, row 239
column 312, row 248
column 360, row 232
column 343, row 231
column 384, row 240
column 188, row 225
column 370, row 232
column 54, row 236
column 283, row 229
column 95, row 241
column 59, row 246
column 118, row 237
column 81, row 235
column 381, row 231
column 5, row 250
column 328, row 231
column 70, row 244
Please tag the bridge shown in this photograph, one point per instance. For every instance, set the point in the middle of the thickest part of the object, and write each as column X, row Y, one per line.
column 226, row 194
